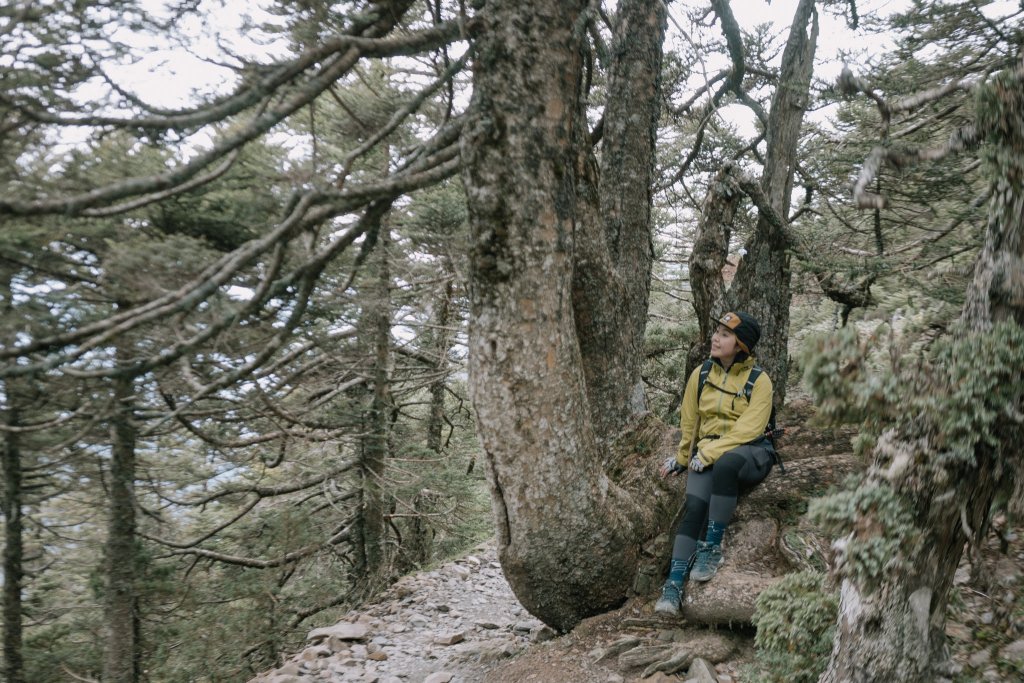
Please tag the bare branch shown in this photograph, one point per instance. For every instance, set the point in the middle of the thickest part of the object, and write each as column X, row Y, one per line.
column 252, row 93
column 268, row 491
column 849, row 84
column 22, row 428
column 333, row 69
column 343, row 535
column 734, row 41
column 963, row 138
column 146, row 200
column 191, row 544
column 400, row 115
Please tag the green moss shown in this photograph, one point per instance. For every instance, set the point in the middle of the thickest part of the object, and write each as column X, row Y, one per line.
column 960, row 388
column 946, row 405
column 878, row 530
column 795, row 622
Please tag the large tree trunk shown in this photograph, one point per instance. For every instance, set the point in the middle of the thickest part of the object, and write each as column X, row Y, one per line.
column 893, row 628
column 708, row 258
column 120, row 663
column 13, row 544
column 762, row 284
column 568, row 536
column 614, row 251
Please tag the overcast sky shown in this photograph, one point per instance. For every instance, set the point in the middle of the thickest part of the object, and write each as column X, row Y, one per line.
column 169, row 76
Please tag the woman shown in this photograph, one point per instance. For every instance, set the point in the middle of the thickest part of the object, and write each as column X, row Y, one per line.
column 725, row 447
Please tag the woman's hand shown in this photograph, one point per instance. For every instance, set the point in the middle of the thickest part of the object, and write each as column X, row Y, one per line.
column 671, row 467
column 696, row 463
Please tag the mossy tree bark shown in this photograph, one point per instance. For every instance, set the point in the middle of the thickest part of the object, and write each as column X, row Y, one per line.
column 708, row 258
column 14, row 671
column 557, row 296
column 891, row 624
column 613, row 247
column 371, row 524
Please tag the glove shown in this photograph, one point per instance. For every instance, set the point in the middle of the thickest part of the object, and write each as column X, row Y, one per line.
column 671, row 467
column 696, row 464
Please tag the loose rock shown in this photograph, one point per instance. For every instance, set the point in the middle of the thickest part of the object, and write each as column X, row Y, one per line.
column 450, row 638
column 439, row 677
column 1013, row 653
column 342, row 631
column 701, row 671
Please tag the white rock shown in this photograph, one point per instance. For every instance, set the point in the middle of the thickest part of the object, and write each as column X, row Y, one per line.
column 337, row 645
column 450, row 638
column 341, row 631
column 1014, row 652
column 979, row 659
column 439, row 677
column 316, row 652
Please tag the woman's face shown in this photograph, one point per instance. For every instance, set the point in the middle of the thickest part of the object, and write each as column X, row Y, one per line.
column 724, row 345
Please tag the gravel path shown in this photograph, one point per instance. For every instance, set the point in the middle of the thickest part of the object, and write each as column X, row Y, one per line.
column 449, row 625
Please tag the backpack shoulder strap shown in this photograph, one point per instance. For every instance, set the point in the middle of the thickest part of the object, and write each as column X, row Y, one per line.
column 748, row 388
column 705, row 370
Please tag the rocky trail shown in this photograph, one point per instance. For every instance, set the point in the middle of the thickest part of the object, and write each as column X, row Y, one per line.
column 460, row 623
column 453, row 623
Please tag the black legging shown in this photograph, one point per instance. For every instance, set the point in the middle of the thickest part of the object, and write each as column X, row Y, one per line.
column 712, row 494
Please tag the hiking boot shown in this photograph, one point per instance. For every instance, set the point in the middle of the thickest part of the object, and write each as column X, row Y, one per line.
column 671, row 598
column 708, row 560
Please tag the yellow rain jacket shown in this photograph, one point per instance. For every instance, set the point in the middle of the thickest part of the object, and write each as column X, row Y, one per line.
column 724, row 419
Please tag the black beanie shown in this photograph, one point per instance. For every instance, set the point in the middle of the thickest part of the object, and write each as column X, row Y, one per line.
column 744, row 326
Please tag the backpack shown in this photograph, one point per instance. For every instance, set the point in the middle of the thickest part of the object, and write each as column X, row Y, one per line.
column 771, row 430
